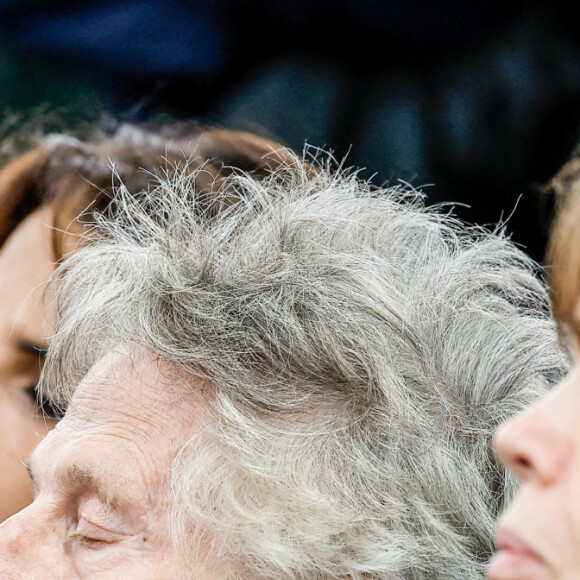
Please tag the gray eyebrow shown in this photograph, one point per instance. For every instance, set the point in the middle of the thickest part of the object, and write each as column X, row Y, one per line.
column 75, row 476
column 28, row 466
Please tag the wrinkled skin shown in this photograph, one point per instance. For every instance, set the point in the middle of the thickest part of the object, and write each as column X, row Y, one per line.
column 102, row 478
column 26, row 262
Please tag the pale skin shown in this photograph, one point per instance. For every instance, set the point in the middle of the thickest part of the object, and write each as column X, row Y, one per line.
column 26, row 262
column 539, row 535
column 102, row 477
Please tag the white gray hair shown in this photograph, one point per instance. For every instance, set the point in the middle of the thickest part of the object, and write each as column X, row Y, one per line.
column 364, row 348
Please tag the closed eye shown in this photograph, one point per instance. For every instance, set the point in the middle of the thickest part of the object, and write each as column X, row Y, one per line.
column 92, row 536
column 89, row 542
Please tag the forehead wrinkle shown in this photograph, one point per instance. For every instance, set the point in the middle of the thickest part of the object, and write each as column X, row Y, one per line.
column 129, row 434
column 144, row 409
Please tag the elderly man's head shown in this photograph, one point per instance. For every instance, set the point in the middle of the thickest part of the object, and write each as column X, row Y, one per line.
column 301, row 387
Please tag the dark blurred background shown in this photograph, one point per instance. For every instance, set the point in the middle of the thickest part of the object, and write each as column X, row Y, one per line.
column 477, row 102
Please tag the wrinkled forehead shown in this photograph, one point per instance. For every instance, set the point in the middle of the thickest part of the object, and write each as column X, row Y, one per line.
column 128, row 421
column 133, row 381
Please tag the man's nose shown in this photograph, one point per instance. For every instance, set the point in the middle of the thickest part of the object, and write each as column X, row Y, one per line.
column 23, row 543
column 10, row 531
column 12, row 549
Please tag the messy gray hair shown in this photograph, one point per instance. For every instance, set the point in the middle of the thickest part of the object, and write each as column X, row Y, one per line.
column 364, row 348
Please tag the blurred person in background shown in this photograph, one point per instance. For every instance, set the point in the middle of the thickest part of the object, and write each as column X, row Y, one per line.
column 474, row 97
column 45, row 184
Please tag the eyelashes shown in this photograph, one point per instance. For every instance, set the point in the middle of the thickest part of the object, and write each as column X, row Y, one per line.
column 90, row 542
column 44, row 406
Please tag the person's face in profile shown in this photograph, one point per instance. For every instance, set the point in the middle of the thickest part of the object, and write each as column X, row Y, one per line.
column 539, row 535
column 102, row 478
column 26, row 262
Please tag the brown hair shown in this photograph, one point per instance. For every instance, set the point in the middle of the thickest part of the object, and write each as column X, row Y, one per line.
column 563, row 251
column 75, row 176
